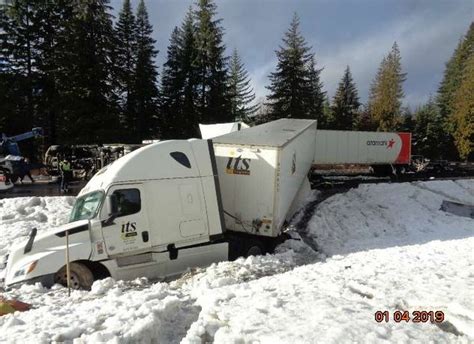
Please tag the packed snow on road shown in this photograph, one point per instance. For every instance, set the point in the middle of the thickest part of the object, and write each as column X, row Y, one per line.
column 380, row 247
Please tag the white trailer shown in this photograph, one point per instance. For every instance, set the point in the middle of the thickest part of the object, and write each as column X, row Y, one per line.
column 261, row 170
column 173, row 205
column 362, row 147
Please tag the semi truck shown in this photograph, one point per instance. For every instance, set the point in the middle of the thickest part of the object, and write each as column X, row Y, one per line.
column 172, row 205
column 176, row 204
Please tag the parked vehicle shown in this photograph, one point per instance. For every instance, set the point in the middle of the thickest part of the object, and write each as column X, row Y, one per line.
column 11, row 161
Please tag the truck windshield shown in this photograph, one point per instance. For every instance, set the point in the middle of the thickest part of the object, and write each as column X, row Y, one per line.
column 86, row 207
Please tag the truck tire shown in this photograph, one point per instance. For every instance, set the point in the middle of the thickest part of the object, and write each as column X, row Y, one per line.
column 253, row 248
column 81, row 276
column 243, row 246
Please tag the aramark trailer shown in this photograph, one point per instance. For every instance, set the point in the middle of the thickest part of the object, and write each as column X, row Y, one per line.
column 362, row 147
column 176, row 204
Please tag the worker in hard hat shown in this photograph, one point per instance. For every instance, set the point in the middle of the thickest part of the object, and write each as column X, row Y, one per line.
column 65, row 169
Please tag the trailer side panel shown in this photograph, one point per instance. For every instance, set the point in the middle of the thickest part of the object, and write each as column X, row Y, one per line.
column 361, row 147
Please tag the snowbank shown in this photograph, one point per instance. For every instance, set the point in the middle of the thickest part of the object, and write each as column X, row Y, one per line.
column 382, row 247
column 19, row 215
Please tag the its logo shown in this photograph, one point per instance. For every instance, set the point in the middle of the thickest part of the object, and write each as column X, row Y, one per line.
column 390, row 143
column 129, row 230
column 238, row 166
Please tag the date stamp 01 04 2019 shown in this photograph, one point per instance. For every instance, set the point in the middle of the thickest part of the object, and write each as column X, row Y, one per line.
column 415, row 316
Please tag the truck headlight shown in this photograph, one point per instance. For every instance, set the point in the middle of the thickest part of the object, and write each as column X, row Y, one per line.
column 26, row 269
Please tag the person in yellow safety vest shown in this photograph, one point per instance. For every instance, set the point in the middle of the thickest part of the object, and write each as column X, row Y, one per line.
column 65, row 168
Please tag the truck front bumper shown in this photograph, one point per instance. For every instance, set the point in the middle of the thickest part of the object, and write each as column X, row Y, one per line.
column 46, row 280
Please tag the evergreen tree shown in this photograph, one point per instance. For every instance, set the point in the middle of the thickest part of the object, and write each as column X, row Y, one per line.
column 29, row 50
column 407, row 123
column 428, row 134
column 327, row 120
column 387, row 91
column 263, row 114
column 241, row 92
column 295, row 88
column 125, row 64
column 365, row 121
column 55, row 16
column 345, row 103
column 19, row 39
column 190, row 72
column 453, row 77
column 179, row 83
column 84, row 79
column 453, row 73
column 316, row 95
column 145, row 125
column 213, row 102
column 172, row 85
column 463, row 112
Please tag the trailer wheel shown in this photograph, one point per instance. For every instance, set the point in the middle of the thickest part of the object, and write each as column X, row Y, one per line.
column 81, row 276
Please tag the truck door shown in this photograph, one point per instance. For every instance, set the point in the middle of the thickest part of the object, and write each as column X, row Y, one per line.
column 129, row 232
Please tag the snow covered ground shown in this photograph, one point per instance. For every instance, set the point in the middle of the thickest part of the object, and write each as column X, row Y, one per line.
column 381, row 247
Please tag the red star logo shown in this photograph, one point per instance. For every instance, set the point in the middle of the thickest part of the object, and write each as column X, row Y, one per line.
column 390, row 143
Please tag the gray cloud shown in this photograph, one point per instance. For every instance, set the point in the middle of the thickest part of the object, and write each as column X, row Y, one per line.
column 356, row 33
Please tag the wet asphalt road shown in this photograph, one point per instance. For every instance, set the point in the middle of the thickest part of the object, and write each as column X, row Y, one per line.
column 41, row 188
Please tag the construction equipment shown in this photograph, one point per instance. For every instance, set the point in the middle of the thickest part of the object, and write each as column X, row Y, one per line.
column 12, row 163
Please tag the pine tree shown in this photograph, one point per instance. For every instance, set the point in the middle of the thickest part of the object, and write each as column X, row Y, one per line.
column 125, row 61
column 453, row 73
column 428, row 134
column 179, row 83
column 19, row 39
column 365, row 121
column 29, row 50
column 55, row 16
column 345, row 103
column 407, row 123
column 213, row 103
column 463, row 112
column 172, row 85
column 84, row 79
column 453, row 77
column 295, row 89
column 145, row 125
column 327, row 120
column 190, row 72
column 241, row 92
column 386, row 91
column 316, row 95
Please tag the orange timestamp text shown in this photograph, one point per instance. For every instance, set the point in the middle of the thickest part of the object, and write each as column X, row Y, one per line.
column 415, row 316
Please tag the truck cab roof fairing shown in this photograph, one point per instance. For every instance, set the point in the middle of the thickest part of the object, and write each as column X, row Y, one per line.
column 155, row 161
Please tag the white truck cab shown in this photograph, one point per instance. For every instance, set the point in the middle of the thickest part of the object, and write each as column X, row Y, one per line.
column 153, row 213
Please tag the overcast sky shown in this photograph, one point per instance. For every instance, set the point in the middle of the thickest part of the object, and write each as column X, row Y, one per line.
column 357, row 33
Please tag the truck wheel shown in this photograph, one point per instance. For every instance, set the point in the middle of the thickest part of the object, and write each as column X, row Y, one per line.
column 254, row 248
column 81, row 276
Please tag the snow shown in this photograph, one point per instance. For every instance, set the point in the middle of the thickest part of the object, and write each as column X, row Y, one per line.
column 380, row 247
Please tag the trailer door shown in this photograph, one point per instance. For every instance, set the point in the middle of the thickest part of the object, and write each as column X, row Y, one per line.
column 129, row 233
